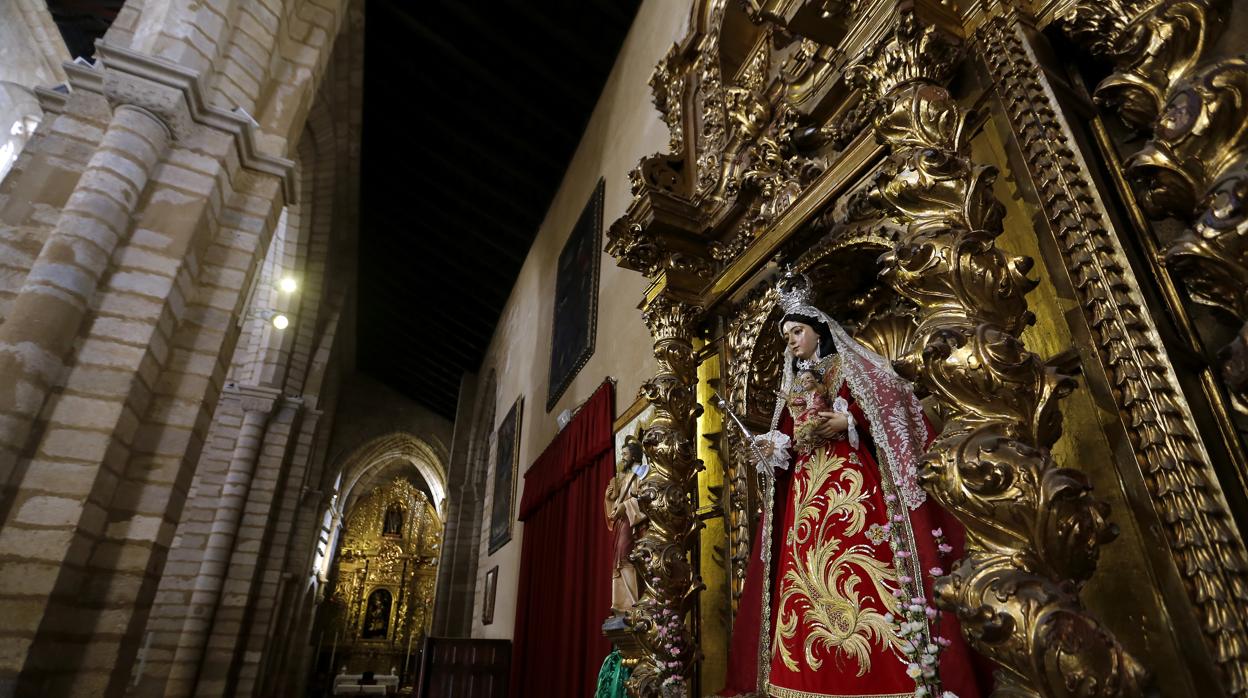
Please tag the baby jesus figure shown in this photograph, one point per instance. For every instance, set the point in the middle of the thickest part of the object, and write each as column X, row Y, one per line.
column 813, row 397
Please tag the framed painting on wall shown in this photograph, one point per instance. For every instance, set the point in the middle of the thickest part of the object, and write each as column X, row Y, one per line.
column 506, row 464
column 491, row 590
column 574, row 325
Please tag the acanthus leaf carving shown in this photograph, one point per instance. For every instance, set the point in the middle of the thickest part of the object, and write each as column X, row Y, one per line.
column 1180, row 476
column 1152, row 45
column 1033, row 528
column 668, row 584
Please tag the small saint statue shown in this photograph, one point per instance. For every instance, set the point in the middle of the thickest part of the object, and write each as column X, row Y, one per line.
column 626, row 520
column 393, row 525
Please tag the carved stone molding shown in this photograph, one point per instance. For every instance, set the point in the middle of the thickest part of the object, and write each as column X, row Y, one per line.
column 254, row 398
column 1033, row 528
column 669, row 587
column 1162, row 429
column 175, row 95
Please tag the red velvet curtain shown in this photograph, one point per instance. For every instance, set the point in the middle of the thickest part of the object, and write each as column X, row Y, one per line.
column 565, row 561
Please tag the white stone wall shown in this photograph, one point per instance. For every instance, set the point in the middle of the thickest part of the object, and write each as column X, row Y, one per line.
column 624, row 127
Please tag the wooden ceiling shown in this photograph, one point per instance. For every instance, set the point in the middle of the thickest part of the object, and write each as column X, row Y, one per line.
column 472, row 111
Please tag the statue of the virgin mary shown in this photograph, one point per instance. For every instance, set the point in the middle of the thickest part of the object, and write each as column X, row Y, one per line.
column 838, row 600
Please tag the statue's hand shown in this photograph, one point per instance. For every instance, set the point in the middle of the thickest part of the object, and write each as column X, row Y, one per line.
column 763, row 448
column 833, row 424
column 771, row 451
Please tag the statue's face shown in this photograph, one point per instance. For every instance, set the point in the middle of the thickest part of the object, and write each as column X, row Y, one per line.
column 628, row 457
column 802, row 339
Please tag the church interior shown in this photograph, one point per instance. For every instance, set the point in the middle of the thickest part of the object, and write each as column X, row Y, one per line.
column 680, row 348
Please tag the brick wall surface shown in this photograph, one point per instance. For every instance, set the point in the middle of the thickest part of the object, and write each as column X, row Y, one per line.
column 157, row 524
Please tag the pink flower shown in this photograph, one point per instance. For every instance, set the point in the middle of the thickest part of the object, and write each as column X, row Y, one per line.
column 898, row 518
column 890, row 498
column 903, row 554
column 937, row 532
column 906, row 579
column 935, row 571
column 944, row 548
column 931, row 612
column 943, row 642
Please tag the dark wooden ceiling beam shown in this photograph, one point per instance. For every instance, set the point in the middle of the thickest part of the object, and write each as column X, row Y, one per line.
column 471, row 234
column 468, row 64
column 438, row 188
column 466, row 172
column 425, row 383
column 570, row 41
column 437, row 324
column 435, row 317
column 455, row 183
column 437, row 398
column 441, row 225
column 491, row 159
column 436, row 376
column 499, row 36
column 485, row 120
column 465, row 264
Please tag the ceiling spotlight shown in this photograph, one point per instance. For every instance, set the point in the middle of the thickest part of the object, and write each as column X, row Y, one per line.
column 280, row 321
column 288, row 285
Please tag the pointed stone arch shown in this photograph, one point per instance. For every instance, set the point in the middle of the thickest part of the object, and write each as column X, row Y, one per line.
column 382, row 455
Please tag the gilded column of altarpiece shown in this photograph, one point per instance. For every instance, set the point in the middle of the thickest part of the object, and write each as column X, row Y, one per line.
column 904, row 154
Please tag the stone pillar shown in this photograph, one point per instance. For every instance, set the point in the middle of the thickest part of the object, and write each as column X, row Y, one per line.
column 38, row 335
column 257, row 407
column 37, row 338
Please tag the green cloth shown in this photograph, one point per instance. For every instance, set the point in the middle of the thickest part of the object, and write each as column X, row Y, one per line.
column 611, row 677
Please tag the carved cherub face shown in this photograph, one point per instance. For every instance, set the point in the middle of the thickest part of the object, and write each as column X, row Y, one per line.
column 801, row 338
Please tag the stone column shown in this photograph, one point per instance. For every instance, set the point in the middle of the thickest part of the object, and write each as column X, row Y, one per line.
column 37, row 337
column 257, row 406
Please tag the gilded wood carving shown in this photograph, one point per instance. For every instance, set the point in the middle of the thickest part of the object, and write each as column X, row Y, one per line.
column 1033, row 527
column 1159, row 422
column 387, row 566
column 762, row 100
column 1170, row 84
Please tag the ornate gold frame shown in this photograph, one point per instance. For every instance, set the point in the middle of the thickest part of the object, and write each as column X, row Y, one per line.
column 798, row 120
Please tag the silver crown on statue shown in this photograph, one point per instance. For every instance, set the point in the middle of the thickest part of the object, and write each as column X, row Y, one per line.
column 797, row 293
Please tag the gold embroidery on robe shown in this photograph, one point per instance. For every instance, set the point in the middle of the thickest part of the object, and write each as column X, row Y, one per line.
column 824, row 590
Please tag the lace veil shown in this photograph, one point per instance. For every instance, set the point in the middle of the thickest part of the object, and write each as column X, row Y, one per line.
column 894, row 415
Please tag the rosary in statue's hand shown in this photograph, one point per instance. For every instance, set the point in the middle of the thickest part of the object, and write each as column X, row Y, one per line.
column 833, row 424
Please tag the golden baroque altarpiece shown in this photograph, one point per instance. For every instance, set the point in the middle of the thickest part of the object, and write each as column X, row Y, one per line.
column 1037, row 210
column 385, row 577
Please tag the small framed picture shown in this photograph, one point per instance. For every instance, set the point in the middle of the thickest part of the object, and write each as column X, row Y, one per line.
column 491, row 589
